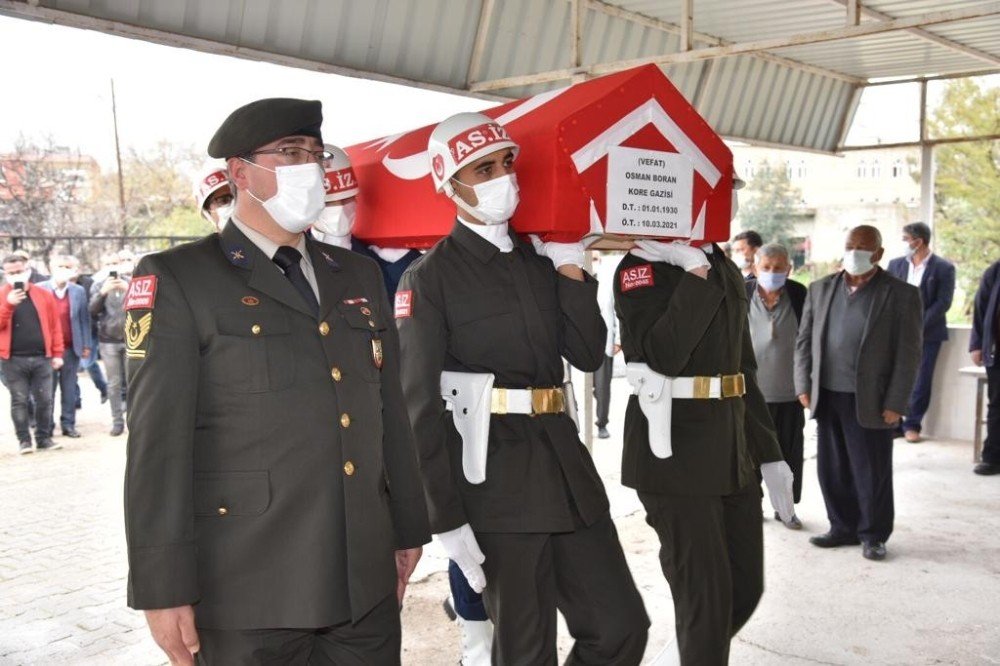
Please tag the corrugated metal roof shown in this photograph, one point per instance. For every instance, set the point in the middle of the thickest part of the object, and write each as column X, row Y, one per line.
column 800, row 96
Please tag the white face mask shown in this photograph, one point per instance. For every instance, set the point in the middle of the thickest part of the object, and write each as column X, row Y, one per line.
column 741, row 261
column 337, row 220
column 11, row 278
column 223, row 213
column 299, row 199
column 771, row 281
column 858, row 262
column 63, row 275
column 497, row 198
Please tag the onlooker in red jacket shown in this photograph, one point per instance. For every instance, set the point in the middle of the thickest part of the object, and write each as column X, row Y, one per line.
column 31, row 347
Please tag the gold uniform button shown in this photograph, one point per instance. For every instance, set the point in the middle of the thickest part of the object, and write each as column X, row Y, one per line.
column 223, row 511
column 324, row 329
column 371, row 323
column 255, row 329
column 345, row 420
column 349, row 468
column 335, row 373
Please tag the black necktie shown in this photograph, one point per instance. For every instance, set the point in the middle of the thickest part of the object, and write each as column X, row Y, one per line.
column 288, row 259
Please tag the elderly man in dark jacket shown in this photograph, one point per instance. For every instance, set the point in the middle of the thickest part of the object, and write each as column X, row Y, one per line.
column 856, row 358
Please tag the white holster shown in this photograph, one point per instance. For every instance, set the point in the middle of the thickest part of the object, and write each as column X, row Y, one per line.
column 468, row 397
column 656, row 400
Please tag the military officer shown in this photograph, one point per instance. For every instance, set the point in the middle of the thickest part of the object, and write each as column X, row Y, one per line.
column 695, row 432
column 273, row 505
column 336, row 223
column 518, row 505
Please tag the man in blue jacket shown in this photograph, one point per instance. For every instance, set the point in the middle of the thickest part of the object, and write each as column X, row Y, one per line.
column 935, row 278
column 71, row 305
column 983, row 346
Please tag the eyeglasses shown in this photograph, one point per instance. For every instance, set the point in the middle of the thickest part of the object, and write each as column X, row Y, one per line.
column 295, row 155
column 220, row 200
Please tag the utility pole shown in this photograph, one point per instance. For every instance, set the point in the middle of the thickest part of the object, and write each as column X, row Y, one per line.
column 118, row 157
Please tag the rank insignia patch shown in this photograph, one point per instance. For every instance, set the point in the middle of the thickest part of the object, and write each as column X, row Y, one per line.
column 404, row 304
column 250, row 300
column 141, row 293
column 377, row 356
column 355, row 301
column 137, row 334
column 636, row 277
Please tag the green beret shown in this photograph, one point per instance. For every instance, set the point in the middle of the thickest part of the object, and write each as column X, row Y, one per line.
column 259, row 123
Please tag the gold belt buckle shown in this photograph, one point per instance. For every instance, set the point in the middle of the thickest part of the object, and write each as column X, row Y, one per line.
column 498, row 401
column 547, row 401
column 733, row 386
column 702, row 388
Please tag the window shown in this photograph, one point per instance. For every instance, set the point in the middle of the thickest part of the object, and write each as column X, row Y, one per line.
column 788, row 170
column 801, row 171
column 862, row 169
column 876, row 169
column 897, row 168
column 748, row 170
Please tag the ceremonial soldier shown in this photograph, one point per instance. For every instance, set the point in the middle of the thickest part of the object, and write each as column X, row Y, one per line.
column 214, row 196
column 484, row 319
column 336, row 223
column 696, row 431
column 273, row 505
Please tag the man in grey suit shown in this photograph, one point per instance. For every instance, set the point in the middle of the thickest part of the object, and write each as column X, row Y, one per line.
column 273, row 507
column 856, row 359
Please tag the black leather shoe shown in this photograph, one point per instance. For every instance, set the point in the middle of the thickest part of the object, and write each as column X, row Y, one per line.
column 117, row 430
column 833, row 539
column 25, row 447
column 986, row 469
column 874, row 550
column 71, row 433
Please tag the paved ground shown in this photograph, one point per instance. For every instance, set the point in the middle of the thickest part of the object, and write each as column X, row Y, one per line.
column 935, row 601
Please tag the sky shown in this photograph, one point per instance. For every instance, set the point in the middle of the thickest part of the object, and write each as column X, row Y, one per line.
column 60, row 87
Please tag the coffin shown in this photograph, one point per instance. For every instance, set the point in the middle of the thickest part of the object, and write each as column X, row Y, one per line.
column 609, row 159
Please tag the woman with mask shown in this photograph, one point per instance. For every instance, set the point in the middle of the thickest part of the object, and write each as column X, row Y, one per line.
column 514, row 497
column 336, row 223
column 775, row 308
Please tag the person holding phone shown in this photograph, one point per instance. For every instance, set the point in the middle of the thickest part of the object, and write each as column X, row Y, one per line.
column 31, row 347
column 107, row 307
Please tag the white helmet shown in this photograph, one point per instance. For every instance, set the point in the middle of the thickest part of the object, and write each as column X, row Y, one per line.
column 341, row 183
column 461, row 139
column 211, row 180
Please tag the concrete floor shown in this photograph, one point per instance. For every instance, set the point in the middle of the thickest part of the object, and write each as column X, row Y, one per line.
column 934, row 601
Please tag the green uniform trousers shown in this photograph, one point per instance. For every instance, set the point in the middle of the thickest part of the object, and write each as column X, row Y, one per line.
column 712, row 554
column 372, row 641
column 584, row 575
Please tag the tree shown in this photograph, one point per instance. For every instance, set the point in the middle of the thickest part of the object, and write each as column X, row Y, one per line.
column 967, row 181
column 44, row 192
column 768, row 204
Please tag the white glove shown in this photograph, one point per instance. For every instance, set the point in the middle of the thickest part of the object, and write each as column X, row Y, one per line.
column 462, row 548
column 676, row 253
column 778, row 479
column 561, row 254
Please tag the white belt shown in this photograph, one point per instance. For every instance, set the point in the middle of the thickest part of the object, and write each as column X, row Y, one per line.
column 657, row 392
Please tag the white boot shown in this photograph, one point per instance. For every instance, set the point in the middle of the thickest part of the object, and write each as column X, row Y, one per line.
column 477, row 641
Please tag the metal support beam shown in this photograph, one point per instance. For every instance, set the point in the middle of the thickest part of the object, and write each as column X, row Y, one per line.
column 926, row 164
column 916, row 144
column 939, row 77
column 482, row 31
column 853, row 12
column 73, row 20
column 699, row 37
column 849, row 32
column 687, row 24
column 920, row 32
column 576, row 32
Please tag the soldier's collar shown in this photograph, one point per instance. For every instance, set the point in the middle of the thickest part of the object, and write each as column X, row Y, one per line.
column 236, row 246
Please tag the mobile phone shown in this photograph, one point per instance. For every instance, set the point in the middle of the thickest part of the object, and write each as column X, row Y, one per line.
column 113, row 275
column 19, row 285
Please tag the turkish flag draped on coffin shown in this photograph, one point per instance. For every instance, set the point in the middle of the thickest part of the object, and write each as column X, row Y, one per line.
column 566, row 137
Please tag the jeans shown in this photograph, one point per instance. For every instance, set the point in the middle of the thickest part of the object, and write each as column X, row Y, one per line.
column 30, row 376
column 65, row 379
column 113, row 354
